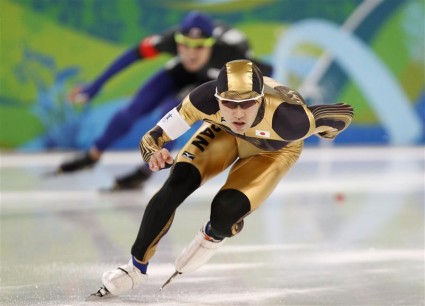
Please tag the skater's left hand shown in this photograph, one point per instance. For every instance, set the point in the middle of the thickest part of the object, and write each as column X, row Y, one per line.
column 161, row 159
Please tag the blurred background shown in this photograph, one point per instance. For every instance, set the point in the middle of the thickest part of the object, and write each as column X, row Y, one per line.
column 345, row 227
column 369, row 54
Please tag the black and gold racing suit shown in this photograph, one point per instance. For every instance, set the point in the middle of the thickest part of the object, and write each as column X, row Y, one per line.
column 258, row 159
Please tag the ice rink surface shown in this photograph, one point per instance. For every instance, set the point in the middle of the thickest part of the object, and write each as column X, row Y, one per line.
column 344, row 227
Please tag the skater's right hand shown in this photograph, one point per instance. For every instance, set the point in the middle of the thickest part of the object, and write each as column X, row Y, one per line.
column 82, row 94
column 78, row 96
column 161, row 159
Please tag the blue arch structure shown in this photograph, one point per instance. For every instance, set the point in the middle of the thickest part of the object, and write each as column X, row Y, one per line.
column 368, row 19
column 373, row 78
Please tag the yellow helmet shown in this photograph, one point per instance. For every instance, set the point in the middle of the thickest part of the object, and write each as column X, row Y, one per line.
column 240, row 80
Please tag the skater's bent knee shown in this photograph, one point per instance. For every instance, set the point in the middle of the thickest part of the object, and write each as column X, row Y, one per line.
column 228, row 208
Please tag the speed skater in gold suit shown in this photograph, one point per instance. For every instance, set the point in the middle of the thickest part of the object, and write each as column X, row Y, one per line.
column 252, row 124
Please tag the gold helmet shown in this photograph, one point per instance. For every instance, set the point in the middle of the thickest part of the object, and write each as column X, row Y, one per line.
column 240, row 80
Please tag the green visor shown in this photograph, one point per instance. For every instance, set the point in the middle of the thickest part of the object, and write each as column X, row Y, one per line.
column 193, row 42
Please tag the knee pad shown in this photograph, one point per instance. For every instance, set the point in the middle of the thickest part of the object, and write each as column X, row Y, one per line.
column 227, row 211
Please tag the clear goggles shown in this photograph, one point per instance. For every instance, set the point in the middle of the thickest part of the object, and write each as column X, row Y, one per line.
column 193, row 42
column 242, row 103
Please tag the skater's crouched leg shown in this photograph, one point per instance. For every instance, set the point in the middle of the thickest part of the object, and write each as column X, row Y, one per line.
column 228, row 209
column 183, row 180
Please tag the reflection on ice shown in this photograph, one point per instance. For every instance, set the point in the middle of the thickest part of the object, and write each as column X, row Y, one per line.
column 345, row 227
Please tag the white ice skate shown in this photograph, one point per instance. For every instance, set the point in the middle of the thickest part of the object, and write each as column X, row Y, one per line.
column 119, row 281
column 197, row 253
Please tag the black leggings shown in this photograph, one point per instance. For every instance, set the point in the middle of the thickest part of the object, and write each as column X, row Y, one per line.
column 227, row 209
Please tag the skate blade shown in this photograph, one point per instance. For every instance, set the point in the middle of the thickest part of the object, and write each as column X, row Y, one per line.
column 50, row 174
column 170, row 279
column 117, row 189
column 100, row 294
column 108, row 190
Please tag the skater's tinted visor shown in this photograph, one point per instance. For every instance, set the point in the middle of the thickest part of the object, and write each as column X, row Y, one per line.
column 193, row 42
column 243, row 103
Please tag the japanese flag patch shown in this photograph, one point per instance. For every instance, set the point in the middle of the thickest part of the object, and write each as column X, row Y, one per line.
column 260, row 133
